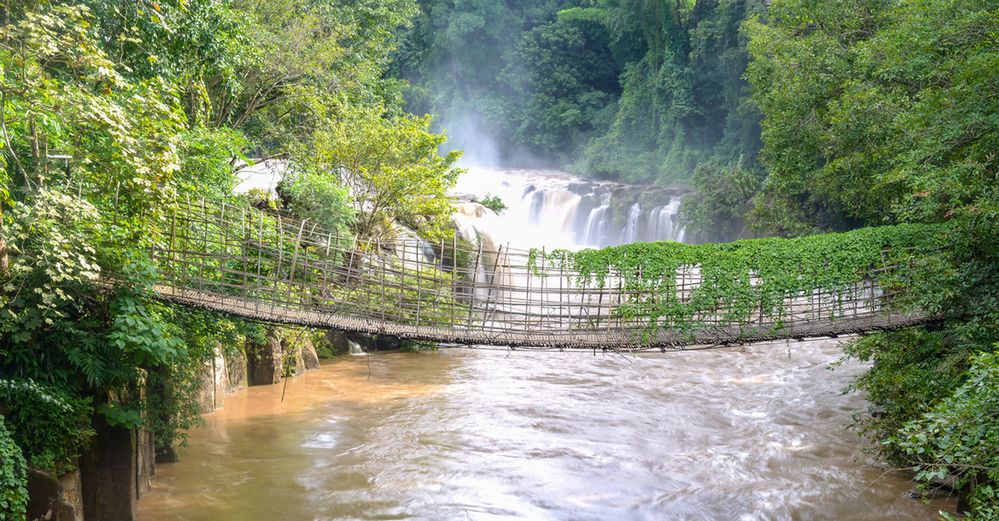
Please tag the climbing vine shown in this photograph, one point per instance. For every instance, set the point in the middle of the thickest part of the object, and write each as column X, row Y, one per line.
column 13, row 477
column 740, row 278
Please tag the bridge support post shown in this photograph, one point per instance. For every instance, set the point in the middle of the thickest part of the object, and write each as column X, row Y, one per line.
column 115, row 471
column 263, row 361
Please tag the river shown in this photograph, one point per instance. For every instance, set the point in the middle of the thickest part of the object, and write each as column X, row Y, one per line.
column 757, row 432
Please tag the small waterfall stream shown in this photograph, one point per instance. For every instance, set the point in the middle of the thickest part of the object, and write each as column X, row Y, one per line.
column 664, row 221
column 597, row 222
column 631, row 230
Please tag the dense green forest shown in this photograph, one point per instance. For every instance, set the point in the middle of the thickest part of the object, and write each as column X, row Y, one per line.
column 793, row 117
column 637, row 90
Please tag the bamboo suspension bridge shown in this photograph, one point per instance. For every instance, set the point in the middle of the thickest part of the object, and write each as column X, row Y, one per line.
column 264, row 266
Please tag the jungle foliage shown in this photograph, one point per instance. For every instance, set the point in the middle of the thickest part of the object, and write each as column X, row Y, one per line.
column 636, row 90
column 110, row 113
column 876, row 112
column 793, row 116
column 13, row 477
column 879, row 113
column 742, row 278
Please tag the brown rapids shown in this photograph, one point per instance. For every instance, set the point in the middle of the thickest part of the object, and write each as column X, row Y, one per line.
column 759, row 432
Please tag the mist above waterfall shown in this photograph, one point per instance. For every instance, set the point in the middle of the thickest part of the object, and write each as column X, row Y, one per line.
column 547, row 207
column 482, row 148
column 467, row 132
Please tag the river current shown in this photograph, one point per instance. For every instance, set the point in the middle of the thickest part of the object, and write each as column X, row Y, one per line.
column 757, row 432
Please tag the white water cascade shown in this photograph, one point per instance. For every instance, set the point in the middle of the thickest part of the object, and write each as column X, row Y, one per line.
column 552, row 209
column 597, row 222
column 664, row 221
column 631, row 229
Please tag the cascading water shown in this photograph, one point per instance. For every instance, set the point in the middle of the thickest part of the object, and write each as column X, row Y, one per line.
column 555, row 210
column 664, row 221
column 551, row 209
column 597, row 222
column 631, row 229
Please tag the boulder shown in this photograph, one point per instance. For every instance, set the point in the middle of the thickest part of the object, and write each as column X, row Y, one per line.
column 235, row 367
column 71, row 504
column 265, row 362
column 206, row 387
column 387, row 343
column 300, row 349
column 473, row 209
column 308, row 354
column 580, row 187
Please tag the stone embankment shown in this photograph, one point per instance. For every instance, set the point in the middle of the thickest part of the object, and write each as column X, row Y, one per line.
column 120, row 463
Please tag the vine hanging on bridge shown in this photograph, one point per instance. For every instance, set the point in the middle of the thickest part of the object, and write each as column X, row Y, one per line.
column 744, row 279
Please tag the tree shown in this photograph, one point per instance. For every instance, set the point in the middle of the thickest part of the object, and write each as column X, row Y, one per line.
column 454, row 58
column 874, row 113
column 110, row 112
column 565, row 76
column 721, row 201
column 390, row 165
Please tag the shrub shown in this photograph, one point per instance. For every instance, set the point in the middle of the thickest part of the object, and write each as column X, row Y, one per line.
column 13, row 478
column 494, row 203
column 960, row 436
column 50, row 428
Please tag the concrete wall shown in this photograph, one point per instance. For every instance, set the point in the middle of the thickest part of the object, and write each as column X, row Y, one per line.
column 115, row 471
column 220, row 377
column 54, row 499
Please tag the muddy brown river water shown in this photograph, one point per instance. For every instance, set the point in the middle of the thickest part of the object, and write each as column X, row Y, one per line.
column 759, row 432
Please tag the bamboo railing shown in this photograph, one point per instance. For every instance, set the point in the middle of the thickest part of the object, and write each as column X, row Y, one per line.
column 273, row 268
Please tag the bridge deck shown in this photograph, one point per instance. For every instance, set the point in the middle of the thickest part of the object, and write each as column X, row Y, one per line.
column 609, row 338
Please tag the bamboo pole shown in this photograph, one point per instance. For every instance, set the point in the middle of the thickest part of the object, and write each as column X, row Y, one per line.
column 544, row 277
column 474, row 276
column 419, row 282
column 381, row 258
column 489, row 295
column 201, row 269
column 454, row 280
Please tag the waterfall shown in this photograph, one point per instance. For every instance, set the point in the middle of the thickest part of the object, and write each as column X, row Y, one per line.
column 594, row 229
column 549, row 209
column 631, row 229
column 554, row 212
column 664, row 223
column 553, row 209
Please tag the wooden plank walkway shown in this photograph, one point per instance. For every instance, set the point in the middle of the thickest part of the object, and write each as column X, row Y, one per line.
column 267, row 267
